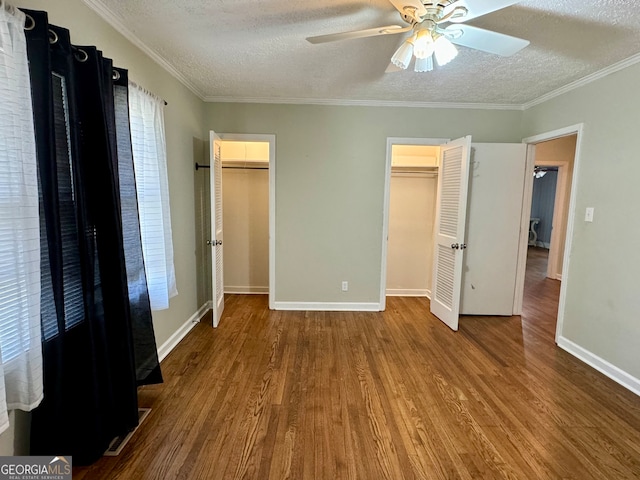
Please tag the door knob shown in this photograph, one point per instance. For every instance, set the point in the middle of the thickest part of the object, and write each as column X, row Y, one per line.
column 209, row 242
column 463, row 246
column 455, row 246
column 218, row 242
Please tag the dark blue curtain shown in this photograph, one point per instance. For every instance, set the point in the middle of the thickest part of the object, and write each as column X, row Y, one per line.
column 98, row 340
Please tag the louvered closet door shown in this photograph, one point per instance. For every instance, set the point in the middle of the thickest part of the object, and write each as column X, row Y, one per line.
column 453, row 180
column 216, row 228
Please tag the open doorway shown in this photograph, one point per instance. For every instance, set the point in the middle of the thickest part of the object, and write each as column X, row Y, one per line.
column 551, row 193
column 484, row 282
column 412, row 208
column 248, row 162
column 245, row 208
column 249, row 167
column 539, row 287
column 409, row 213
column 548, row 217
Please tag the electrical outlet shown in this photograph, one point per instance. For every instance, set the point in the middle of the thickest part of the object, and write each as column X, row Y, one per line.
column 345, row 286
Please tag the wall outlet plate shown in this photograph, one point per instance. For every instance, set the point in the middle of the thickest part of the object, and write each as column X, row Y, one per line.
column 588, row 214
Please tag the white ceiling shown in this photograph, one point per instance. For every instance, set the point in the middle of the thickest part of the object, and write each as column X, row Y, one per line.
column 243, row 50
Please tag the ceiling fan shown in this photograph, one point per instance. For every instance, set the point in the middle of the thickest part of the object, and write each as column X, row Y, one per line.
column 436, row 26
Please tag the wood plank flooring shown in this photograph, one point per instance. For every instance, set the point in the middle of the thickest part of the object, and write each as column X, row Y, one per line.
column 391, row 395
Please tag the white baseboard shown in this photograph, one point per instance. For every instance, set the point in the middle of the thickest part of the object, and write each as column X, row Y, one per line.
column 171, row 343
column 408, row 292
column 246, row 290
column 328, row 306
column 614, row 373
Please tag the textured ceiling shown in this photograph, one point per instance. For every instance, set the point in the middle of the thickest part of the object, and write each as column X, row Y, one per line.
column 242, row 50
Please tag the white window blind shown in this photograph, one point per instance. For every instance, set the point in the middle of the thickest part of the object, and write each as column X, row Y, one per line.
column 152, row 184
column 20, row 338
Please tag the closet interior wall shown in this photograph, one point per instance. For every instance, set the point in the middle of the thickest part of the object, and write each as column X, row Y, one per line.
column 412, row 202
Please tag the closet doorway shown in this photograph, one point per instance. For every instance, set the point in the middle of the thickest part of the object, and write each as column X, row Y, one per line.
column 248, row 212
column 491, row 241
column 413, row 181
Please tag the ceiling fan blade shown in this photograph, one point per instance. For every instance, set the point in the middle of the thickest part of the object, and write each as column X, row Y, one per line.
column 477, row 8
column 401, row 4
column 369, row 32
column 485, row 40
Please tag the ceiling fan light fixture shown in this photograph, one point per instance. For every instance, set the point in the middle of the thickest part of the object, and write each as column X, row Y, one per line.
column 435, row 27
column 424, row 64
column 424, row 45
column 403, row 55
column 445, row 51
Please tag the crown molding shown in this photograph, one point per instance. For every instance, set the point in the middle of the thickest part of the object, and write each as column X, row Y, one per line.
column 107, row 15
column 616, row 67
column 361, row 103
column 621, row 65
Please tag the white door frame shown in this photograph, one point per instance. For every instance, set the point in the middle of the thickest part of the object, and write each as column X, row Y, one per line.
column 250, row 137
column 526, row 213
column 391, row 141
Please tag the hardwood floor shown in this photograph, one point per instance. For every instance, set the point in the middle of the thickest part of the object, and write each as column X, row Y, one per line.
column 391, row 395
column 541, row 294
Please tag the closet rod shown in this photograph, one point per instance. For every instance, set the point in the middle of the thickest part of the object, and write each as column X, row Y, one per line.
column 413, row 172
column 247, row 168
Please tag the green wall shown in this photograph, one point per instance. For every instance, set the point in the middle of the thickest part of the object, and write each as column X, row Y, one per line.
column 330, row 173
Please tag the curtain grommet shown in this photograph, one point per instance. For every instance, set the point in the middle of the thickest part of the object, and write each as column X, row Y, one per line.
column 29, row 23
column 81, row 55
column 116, row 75
column 53, row 37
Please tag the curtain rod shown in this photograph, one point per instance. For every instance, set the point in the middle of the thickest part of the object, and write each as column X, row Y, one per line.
column 147, row 91
column 30, row 23
column 116, row 77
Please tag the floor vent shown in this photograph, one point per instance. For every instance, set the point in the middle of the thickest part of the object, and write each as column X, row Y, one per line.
column 118, row 443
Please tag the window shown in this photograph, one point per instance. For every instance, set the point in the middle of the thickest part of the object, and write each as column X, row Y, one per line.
column 150, row 164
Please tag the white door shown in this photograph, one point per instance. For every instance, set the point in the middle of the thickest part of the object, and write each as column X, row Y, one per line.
column 496, row 189
column 449, row 248
column 216, row 227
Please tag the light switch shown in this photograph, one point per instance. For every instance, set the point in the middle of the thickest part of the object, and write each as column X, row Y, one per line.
column 588, row 214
